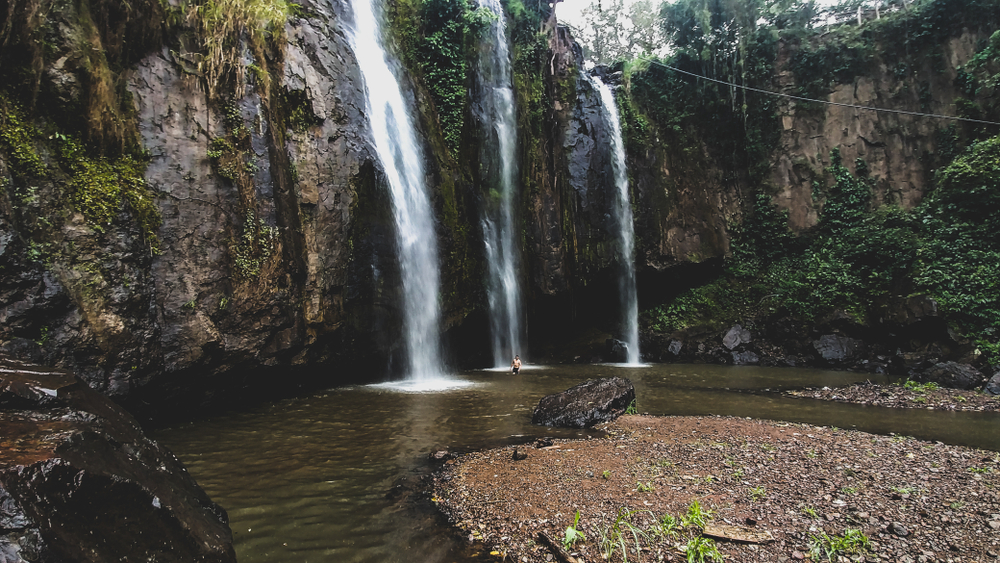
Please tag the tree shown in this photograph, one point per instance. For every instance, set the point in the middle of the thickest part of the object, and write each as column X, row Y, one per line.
column 614, row 30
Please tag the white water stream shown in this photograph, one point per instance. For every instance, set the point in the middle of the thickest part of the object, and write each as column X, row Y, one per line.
column 622, row 211
column 402, row 161
column 494, row 108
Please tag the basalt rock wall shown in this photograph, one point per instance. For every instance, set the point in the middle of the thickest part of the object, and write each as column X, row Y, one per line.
column 273, row 255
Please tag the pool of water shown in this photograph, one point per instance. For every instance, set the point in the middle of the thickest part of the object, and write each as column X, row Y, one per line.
column 310, row 480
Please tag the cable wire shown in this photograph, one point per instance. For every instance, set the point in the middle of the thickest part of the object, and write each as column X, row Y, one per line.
column 801, row 99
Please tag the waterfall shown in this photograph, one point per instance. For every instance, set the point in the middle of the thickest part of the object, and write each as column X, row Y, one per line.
column 622, row 211
column 494, row 108
column 401, row 158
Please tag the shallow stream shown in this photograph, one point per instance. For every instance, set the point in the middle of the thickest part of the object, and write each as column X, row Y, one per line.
column 316, row 479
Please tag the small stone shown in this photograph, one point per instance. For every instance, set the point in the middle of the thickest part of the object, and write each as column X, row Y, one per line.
column 899, row 529
column 995, row 524
column 798, row 555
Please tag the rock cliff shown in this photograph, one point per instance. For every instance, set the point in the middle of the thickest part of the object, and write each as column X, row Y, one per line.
column 260, row 244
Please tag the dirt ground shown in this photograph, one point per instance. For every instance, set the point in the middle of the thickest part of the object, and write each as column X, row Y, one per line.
column 802, row 491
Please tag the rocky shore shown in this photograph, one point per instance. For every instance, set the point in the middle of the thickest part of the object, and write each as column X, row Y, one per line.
column 908, row 395
column 663, row 488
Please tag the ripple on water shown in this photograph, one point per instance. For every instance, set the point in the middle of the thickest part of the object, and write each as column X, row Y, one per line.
column 425, row 385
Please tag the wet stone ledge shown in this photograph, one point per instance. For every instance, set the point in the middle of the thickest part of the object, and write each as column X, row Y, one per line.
column 80, row 482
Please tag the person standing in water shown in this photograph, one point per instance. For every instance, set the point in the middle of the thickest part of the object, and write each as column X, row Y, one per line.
column 515, row 366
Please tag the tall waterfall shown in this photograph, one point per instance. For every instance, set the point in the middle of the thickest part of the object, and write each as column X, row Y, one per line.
column 622, row 211
column 395, row 143
column 494, row 108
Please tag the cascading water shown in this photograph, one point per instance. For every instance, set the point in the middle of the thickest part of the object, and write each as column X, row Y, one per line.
column 622, row 211
column 395, row 143
column 494, row 107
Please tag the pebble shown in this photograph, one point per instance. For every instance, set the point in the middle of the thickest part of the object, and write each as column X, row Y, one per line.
column 899, row 529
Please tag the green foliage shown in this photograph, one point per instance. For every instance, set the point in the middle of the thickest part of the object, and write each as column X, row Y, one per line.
column 43, row 336
column 668, row 526
column 739, row 128
column 833, row 62
column 441, row 52
column 255, row 244
column 988, row 57
column 696, row 515
column 700, row 549
column 644, row 487
column 222, row 25
column 615, row 537
column 101, row 186
column 573, row 534
column 17, row 140
column 967, row 194
column 920, row 387
column 632, row 408
column 852, row 542
column 757, row 494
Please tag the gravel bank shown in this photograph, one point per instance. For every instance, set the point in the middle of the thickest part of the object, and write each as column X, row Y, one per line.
column 802, row 485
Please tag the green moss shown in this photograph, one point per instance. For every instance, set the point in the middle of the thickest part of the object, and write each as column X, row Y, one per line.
column 99, row 187
column 17, row 138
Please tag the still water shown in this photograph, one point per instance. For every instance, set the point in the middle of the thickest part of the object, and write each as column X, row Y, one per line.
column 308, row 480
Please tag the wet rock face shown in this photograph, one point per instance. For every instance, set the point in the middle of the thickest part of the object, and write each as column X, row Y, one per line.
column 587, row 404
column 79, row 481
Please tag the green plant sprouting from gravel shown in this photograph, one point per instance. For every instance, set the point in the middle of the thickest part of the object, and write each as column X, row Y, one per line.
column 826, row 546
column 700, row 549
column 920, row 387
column 632, row 408
column 615, row 537
column 573, row 533
column 696, row 515
column 757, row 494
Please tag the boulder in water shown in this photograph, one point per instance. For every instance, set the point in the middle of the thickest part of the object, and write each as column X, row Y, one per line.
column 587, row 404
column 616, row 350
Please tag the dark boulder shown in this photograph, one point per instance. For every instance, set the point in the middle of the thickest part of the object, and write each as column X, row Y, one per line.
column 951, row 374
column 836, row 349
column 746, row 358
column 993, row 385
column 79, row 481
column 736, row 336
column 615, row 351
column 587, row 404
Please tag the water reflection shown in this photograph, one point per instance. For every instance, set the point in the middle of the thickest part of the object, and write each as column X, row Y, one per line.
column 306, row 480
